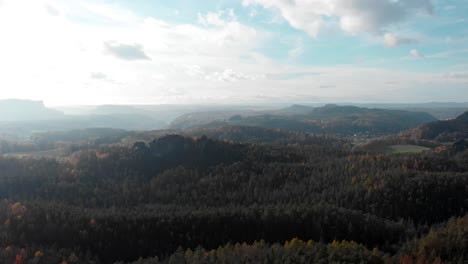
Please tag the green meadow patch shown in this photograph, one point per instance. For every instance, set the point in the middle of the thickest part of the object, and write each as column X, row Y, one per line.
column 405, row 149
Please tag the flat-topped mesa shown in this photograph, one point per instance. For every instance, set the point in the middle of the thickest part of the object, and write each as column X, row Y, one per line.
column 26, row 110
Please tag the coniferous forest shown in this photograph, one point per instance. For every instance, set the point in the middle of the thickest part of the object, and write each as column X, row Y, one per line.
column 182, row 199
column 234, row 132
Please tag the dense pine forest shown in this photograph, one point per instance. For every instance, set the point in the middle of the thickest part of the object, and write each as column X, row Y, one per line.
column 180, row 199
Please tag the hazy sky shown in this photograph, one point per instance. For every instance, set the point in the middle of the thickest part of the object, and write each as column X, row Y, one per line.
column 250, row 51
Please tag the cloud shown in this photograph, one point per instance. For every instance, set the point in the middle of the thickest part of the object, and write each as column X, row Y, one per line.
column 194, row 70
column 449, row 53
column 391, row 40
column 416, row 53
column 222, row 61
column 253, row 13
column 229, row 75
column 97, row 76
column 291, row 75
column 297, row 50
column 126, row 51
column 353, row 16
column 51, row 10
column 457, row 75
column 219, row 18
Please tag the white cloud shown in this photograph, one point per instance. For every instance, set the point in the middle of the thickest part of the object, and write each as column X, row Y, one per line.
column 97, row 76
column 129, row 52
column 449, row 53
column 219, row 18
column 194, row 71
column 59, row 59
column 253, row 13
column 297, row 50
column 52, row 10
column 457, row 75
column 416, row 53
column 391, row 40
column 229, row 75
column 53, row 56
column 353, row 16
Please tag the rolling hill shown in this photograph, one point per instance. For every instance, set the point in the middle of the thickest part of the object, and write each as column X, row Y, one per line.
column 329, row 119
column 442, row 131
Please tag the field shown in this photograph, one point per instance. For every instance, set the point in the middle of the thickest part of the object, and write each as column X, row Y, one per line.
column 405, row 149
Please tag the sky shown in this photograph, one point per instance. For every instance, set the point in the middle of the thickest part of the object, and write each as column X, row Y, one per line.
column 84, row 52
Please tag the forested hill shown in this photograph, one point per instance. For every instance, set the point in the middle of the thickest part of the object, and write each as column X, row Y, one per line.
column 329, row 119
column 261, row 135
column 443, row 131
column 115, row 203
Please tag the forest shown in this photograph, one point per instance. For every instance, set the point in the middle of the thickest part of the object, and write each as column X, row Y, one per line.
column 195, row 199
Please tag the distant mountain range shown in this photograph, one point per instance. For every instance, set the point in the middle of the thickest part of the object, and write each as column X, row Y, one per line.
column 23, row 117
column 20, row 118
column 439, row 110
column 164, row 112
column 329, row 119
